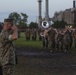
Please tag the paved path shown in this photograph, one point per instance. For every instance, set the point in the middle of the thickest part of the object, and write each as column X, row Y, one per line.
column 24, row 53
column 44, row 53
column 63, row 59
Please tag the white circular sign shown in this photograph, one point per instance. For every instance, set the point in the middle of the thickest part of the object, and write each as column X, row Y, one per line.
column 45, row 24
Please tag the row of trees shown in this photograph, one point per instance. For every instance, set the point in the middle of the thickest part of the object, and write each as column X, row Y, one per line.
column 59, row 24
column 21, row 20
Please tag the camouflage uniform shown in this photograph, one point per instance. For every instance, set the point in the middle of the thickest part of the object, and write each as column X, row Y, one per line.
column 34, row 34
column 39, row 31
column 59, row 42
column 7, row 53
column 27, row 34
column 67, row 40
column 51, row 35
column 44, row 38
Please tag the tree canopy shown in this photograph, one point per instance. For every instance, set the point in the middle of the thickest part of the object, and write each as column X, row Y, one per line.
column 19, row 19
column 59, row 24
column 33, row 25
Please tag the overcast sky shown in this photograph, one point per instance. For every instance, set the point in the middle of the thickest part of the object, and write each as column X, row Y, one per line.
column 30, row 7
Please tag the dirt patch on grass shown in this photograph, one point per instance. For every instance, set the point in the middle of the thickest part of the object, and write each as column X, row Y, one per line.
column 30, row 49
column 57, row 63
column 45, row 66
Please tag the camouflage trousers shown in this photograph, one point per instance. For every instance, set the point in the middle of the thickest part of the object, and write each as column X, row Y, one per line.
column 8, row 70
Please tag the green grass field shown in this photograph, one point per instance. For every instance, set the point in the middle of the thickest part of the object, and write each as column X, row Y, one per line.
column 23, row 42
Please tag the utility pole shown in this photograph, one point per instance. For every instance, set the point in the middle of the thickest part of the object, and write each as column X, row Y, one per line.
column 47, row 11
column 74, row 7
column 40, row 13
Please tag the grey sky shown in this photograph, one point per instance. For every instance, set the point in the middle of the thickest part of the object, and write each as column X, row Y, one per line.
column 30, row 7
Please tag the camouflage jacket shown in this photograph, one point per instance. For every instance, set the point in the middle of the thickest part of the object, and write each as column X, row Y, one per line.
column 7, row 48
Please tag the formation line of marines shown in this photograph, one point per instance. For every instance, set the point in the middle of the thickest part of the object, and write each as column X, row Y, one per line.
column 59, row 39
